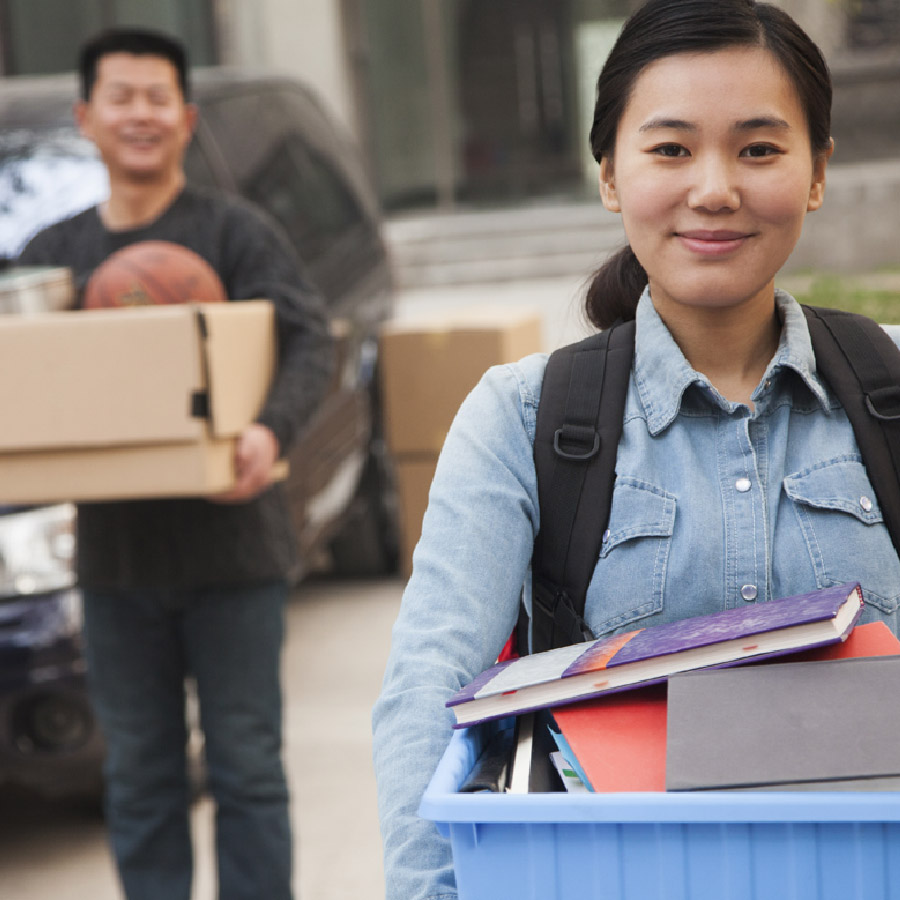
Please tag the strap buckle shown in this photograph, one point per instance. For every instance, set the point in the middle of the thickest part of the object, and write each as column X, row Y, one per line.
column 586, row 441
column 884, row 403
column 555, row 621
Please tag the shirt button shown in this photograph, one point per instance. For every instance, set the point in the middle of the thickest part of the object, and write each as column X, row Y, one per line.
column 605, row 535
column 865, row 503
column 742, row 485
column 749, row 592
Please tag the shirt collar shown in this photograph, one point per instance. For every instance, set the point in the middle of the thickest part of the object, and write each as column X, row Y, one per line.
column 662, row 374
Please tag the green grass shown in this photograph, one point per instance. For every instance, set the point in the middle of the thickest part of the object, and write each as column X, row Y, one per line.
column 876, row 296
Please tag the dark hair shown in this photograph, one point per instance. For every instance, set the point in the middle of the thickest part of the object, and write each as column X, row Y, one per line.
column 137, row 41
column 662, row 28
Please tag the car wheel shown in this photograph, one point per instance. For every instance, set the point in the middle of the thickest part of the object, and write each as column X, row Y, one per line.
column 368, row 542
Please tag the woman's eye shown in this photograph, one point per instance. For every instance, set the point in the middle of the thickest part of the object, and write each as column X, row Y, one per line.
column 758, row 151
column 670, row 150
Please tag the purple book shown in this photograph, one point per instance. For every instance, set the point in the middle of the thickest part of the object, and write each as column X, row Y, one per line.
column 652, row 654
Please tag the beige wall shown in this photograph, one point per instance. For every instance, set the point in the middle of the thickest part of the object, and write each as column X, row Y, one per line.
column 298, row 37
column 823, row 20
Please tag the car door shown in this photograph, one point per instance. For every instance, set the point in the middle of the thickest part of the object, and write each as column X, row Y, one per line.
column 276, row 148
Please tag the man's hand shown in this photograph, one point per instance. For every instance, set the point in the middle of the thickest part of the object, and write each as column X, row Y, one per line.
column 256, row 452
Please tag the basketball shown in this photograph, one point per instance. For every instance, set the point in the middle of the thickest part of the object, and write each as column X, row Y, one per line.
column 153, row 272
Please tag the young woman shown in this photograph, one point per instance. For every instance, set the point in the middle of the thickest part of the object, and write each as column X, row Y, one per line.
column 738, row 478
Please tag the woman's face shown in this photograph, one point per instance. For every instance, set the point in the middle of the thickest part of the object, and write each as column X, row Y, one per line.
column 713, row 174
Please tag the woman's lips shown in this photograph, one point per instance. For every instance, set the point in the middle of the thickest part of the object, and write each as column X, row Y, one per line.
column 712, row 243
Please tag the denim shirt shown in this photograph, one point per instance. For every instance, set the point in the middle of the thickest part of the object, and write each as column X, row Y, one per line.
column 715, row 505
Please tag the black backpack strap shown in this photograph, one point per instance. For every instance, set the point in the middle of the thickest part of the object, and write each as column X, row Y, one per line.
column 579, row 424
column 861, row 364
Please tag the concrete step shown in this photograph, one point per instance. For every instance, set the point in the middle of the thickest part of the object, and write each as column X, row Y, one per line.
column 500, row 245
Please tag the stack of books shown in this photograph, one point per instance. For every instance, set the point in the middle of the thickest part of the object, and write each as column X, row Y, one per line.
column 708, row 703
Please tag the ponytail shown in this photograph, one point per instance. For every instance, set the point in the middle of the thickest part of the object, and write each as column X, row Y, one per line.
column 615, row 289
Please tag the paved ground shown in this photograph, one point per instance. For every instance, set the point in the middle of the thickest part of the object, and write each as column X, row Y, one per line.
column 338, row 636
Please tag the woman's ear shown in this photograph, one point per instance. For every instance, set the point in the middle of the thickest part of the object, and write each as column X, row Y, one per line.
column 608, row 186
column 817, row 188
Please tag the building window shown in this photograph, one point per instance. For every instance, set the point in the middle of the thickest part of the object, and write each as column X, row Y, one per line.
column 481, row 100
column 40, row 37
column 874, row 24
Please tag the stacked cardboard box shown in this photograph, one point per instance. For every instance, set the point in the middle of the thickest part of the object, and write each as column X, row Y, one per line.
column 129, row 403
column 428, row 366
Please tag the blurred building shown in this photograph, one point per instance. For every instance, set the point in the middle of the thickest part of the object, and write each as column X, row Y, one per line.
column 460, row 102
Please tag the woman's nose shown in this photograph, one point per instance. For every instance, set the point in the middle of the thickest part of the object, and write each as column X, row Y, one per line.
column 714, row 186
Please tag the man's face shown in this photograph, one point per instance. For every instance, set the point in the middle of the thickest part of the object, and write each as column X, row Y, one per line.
column 138, row 118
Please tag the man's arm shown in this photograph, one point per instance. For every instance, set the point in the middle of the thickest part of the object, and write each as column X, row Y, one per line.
column 41, row 250
column 259, row 263
column 76, row 243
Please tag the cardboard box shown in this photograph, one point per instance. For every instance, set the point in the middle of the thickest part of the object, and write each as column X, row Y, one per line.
column 429, row 365
column 129, row 403
column 413, row 477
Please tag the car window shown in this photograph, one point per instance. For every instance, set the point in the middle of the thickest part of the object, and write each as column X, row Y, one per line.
column 45, row 176
column 197, row 167
column 304, row 193
column 244, row 124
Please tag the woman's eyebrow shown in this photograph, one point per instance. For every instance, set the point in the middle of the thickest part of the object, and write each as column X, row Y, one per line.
column 671, row 124
column 761, row 122
column 751, row 124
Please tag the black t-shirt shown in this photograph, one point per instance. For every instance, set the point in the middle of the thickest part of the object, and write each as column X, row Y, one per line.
column 185, row 543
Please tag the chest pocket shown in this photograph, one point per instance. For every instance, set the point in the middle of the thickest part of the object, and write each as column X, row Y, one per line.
column 844, row 531
column 633, row 557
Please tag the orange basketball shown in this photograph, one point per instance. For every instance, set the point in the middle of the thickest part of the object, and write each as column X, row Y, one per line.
column 152, row 272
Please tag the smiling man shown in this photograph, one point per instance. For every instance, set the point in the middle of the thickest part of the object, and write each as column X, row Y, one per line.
column 189, row 587
column 135, row 111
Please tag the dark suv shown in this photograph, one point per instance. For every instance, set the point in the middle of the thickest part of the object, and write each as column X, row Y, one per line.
column 269, row 140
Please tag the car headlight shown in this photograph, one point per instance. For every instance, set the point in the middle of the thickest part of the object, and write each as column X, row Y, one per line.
column 37, row 550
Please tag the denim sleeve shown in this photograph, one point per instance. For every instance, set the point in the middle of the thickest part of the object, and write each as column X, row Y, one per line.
column 457, row 612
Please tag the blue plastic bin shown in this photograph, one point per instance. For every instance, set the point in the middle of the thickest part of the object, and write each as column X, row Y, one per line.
column 659, row 846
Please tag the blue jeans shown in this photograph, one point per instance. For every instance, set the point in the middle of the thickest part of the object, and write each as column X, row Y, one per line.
column 141, row 645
